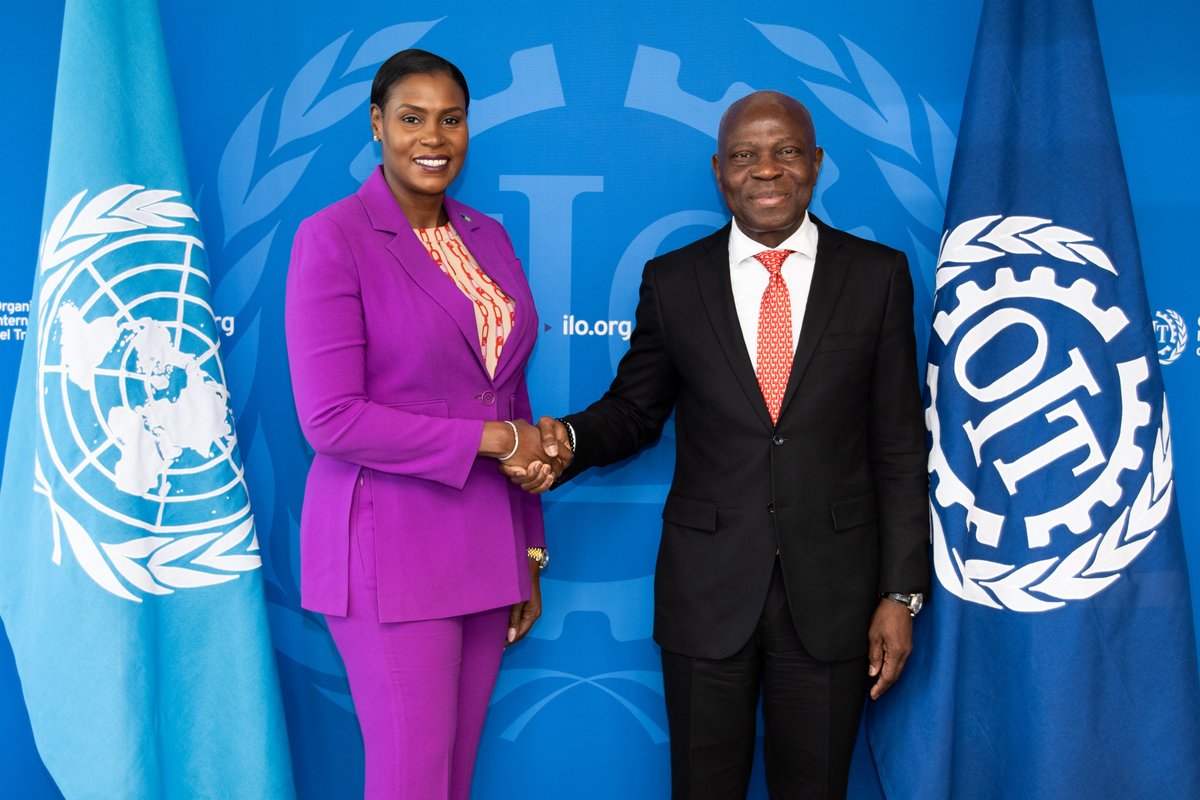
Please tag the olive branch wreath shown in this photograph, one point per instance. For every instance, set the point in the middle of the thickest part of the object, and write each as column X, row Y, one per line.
column 1089, row 568
column 170, row 562
column 873, row 104
column 971, row 243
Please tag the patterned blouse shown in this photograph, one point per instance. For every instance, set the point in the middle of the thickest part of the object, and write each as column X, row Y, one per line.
column 495, row 311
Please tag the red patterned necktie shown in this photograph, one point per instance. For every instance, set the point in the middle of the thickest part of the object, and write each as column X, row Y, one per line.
column 774, row 362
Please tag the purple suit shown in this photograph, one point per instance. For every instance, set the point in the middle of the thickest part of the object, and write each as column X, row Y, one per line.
column 388, row 377
column 411, row 543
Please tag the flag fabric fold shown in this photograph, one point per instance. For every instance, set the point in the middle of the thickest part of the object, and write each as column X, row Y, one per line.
column 1056, row 658
column 130, row 586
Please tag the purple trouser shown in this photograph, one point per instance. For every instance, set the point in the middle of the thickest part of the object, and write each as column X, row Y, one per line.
column 421, row 689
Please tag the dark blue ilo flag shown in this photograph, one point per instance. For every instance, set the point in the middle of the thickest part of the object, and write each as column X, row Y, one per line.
column 1057, row 657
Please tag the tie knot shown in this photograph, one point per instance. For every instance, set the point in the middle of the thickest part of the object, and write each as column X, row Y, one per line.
column 773, row 259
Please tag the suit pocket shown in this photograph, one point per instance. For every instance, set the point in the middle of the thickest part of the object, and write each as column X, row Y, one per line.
column 851, row 512
column 428, row 408
column 835, row 342
column 690, row 513
column 362, row 535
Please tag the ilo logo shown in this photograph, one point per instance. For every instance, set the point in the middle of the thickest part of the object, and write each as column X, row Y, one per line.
column 1170, row 335
column 1038, row 432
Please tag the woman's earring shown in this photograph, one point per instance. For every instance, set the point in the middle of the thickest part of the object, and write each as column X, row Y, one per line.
column 376, row 137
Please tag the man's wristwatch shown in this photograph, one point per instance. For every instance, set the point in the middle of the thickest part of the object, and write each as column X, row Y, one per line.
column 539, row 555
column 570, row 433
column 914, row 602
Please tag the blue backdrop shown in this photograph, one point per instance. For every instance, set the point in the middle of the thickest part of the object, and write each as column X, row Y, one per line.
column 592, row 126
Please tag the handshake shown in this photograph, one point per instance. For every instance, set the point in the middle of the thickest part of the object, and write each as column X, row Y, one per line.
column 539, row 455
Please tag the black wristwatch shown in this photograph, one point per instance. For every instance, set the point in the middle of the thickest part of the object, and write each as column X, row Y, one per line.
column 914, row 602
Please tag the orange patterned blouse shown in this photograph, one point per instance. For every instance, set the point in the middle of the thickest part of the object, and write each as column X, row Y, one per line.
column 495, row 311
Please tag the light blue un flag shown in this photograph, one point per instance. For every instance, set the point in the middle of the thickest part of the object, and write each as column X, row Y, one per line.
column 1057, row 658
column 129, row 566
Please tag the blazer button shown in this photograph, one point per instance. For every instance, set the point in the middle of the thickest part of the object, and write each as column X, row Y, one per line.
column 488, row 398
column 771, row 508
column 778, row 440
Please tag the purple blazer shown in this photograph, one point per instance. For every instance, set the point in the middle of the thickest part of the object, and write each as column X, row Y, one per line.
column 390, row 384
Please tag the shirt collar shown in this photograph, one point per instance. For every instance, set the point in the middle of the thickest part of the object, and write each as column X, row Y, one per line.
column 803, row 241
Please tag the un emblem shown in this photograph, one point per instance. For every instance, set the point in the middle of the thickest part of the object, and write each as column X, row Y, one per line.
column 1053, row 420
column 137, row 453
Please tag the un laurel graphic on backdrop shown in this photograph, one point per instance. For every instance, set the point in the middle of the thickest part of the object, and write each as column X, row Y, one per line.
column 136, row 447
column 271, row 151
column 273, row 148
column 1024, row 427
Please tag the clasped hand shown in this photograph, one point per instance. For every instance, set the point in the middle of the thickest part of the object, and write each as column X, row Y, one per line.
column 542, row 455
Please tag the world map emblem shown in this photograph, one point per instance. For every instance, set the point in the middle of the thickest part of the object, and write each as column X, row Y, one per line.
column 137, row 451
column 1050, row 463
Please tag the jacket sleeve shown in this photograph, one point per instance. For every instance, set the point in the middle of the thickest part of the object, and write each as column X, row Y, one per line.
column 631, row 414
column 327, row 340
column 896, row 441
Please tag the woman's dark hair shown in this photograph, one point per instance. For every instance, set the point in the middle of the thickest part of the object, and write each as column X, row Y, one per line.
column 414, row 62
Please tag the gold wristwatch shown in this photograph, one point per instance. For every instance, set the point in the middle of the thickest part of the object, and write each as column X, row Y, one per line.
column 538, row 554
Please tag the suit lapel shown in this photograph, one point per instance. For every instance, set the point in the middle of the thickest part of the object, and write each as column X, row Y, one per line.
column 495, row 263
column 716, row 292
column 386, row 216
column 829, row 274
column 424, row 271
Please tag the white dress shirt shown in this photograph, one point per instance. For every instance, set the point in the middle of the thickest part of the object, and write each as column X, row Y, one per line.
column 749, row 278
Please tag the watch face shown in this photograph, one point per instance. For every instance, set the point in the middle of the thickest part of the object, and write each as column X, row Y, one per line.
column 915, row 603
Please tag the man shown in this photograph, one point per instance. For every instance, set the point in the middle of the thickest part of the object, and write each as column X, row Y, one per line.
column 795, row 534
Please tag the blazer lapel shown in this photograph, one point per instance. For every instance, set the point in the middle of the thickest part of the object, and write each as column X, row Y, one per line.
column 716, row 292
column 385, row 215
column 829, row 274
column 494, row 260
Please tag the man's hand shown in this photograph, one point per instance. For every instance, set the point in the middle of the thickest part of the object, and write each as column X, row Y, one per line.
column 523, row 615
column 552, row 455
column 890, row 638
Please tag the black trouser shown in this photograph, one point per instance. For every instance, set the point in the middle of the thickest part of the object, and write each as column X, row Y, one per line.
column 811, row 710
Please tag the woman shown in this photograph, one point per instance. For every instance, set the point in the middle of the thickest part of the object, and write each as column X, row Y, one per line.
column 409, row 323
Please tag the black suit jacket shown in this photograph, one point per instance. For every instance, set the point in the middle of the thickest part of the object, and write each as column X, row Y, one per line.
column 839, row 485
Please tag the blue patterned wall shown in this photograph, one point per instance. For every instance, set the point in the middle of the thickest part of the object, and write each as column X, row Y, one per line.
column 592, row 125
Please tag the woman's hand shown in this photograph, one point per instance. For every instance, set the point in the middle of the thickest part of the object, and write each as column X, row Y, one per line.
column 534, row 461
column 523, row 615
column 553, row 456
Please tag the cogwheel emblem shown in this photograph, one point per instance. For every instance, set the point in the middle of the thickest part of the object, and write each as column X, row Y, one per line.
column 1012, row 366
